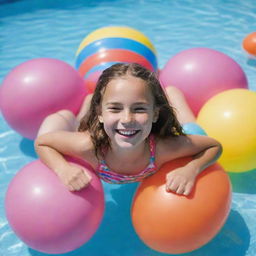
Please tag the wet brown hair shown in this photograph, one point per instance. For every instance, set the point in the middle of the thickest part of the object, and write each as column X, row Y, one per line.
column 166, row 124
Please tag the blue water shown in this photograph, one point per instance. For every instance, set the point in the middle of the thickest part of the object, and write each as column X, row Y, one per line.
column 43, row 28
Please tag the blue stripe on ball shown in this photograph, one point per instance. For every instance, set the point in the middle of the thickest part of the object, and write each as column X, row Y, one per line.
column 100, row 67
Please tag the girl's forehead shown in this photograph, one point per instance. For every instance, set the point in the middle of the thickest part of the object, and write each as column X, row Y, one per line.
column 128, row 86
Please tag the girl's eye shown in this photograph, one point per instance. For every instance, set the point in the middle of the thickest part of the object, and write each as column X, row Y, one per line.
column 140, row 109
column 114, row 109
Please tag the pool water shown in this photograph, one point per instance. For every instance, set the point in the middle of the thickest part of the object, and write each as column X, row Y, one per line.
column 43, row 28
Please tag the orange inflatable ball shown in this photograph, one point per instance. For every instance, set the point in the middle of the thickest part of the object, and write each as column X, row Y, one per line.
column 249, row 43
column 174, row 224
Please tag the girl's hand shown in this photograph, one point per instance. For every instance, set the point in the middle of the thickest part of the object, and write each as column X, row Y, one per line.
column 181, row 180
column 74, row 178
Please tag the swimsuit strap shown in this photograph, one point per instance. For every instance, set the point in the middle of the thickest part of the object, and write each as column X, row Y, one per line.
column 111, row 177
column 152, row 147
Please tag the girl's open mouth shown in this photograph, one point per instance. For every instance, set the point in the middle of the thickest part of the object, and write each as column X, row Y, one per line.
column 127, row 133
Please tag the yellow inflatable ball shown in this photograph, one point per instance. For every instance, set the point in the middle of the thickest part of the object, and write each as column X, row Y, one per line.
column 230, row 117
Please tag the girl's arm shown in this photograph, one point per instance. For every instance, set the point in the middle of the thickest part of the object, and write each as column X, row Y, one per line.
column 52, row 146
column 204, row 151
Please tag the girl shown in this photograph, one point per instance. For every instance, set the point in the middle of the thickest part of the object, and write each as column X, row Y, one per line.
column 127, row 132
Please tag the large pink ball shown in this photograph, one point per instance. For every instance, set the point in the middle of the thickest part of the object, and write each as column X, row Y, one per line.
column 201, row 73
column 46, row 215
column 37, row 88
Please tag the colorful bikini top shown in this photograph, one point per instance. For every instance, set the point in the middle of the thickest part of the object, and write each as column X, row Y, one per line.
column 116, row 178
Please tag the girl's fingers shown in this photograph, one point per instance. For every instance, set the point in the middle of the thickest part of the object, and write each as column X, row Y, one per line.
column 188, row 189
column 70, row 187
column 86, row 178
column 74, row 186
column 180, row 190
column 80, row 184
column 178, row 184
column 168, row 182
column 178, row 187
column 173, row 186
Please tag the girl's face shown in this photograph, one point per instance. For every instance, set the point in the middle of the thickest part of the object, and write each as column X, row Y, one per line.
column 127, row 111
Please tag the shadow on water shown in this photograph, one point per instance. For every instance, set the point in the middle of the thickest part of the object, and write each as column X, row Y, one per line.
column 232, row 240
column 27, row 147
column 116, row 235
column 251, row 62
column 244, row 182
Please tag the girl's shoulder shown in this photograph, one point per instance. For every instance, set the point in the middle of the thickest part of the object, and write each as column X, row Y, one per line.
column 166, row 149
column 170, row 148
column 86, row 148
column 77, row 144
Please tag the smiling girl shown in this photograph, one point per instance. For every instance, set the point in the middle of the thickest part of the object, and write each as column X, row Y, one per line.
column 127, row 131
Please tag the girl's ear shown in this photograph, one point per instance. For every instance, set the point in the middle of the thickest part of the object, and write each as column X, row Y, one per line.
column 100, row 118
column 156, row 115
column 99, row 114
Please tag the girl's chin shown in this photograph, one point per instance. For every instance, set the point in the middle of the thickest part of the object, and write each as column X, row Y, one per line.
column 124, row 142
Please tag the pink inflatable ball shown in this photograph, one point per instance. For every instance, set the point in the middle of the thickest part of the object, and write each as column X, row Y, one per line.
column 202, row 73
column 37, row 88
column 46, row 216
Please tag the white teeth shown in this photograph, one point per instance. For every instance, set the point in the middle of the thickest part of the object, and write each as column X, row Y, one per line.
column 127, row 133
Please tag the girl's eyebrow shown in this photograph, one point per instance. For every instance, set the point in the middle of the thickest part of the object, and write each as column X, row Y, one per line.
column 141, row 103
column 113, row 103
column 135, row 103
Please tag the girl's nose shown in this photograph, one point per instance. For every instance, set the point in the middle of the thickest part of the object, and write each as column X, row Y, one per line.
column 127, row 117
